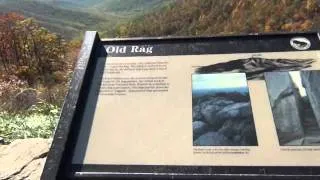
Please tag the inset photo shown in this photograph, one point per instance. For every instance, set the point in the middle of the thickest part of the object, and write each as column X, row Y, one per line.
column 255, row 67
column 295, row 102
column 221, row 110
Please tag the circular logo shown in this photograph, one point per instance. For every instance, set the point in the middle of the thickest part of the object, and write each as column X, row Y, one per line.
column 300, row 43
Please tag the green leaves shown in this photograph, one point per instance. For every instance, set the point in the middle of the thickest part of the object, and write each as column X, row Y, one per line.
column 39, row 122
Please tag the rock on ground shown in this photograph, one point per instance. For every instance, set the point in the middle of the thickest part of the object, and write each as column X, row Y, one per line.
column 24, row 100
column 23, row 159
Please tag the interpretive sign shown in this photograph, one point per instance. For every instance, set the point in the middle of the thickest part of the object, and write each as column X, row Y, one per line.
column 205, row 107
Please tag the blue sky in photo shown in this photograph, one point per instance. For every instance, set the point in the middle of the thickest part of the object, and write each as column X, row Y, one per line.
column 218, row 81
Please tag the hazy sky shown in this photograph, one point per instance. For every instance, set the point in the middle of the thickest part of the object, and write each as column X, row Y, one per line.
column 296, row 78
column 218, row 81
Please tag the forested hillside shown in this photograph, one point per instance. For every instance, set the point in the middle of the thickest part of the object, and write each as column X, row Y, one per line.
column 77, row 3
column 115, row 6
column 207, row 17
column 128, row 18
column 66, row 22
column 70, row 18
column 133, row 6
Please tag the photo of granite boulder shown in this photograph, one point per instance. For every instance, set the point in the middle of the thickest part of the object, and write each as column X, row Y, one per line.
column 221, row 110
column 295, row 101
column 255, row 67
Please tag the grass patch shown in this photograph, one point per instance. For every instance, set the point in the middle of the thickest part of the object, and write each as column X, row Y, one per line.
column 38, row 122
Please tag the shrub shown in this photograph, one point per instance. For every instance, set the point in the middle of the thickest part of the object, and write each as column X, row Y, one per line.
column 31, row 52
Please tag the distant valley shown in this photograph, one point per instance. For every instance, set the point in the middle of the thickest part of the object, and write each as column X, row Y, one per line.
column 70, row 18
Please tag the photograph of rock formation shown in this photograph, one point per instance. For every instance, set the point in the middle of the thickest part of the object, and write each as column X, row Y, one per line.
column 254, row 67
column 221, row 110
column 295, row 101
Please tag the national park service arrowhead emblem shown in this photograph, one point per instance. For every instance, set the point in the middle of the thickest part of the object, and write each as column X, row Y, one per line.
column 300, row 43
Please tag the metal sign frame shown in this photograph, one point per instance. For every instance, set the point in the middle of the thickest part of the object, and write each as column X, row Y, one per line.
column 59, row 158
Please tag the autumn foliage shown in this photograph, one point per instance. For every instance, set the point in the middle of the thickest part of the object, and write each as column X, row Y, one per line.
column 208, row 17
column 33, row 57
column 30, row 52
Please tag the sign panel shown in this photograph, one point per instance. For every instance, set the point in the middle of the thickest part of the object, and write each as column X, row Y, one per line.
column 205, row 107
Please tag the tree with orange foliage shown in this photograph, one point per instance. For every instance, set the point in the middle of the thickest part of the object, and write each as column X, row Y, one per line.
column 29, row 51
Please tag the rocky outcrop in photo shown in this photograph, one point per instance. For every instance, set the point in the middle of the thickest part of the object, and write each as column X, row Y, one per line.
column 310, row 81
column 294, row 101
column 256, row 67
column 285, row 106
column 223, row 119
